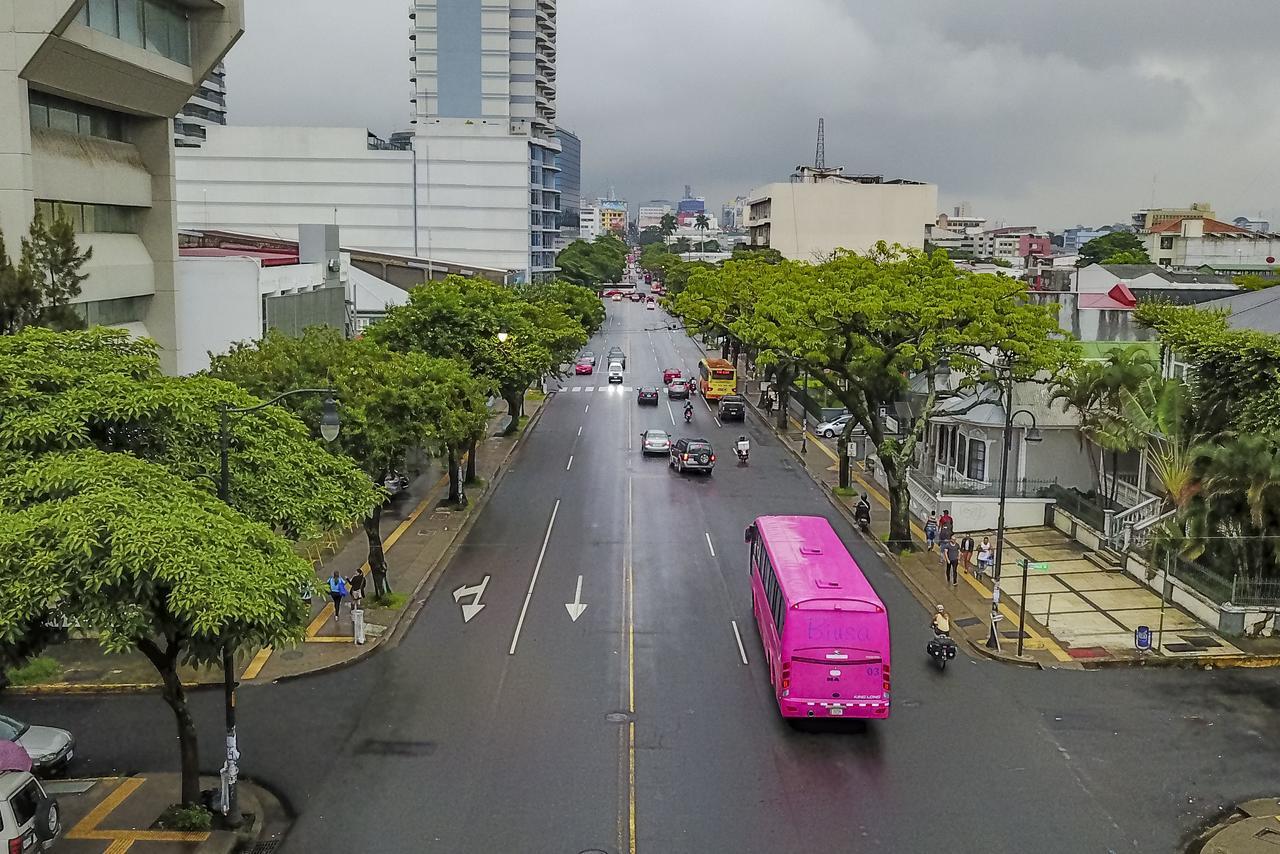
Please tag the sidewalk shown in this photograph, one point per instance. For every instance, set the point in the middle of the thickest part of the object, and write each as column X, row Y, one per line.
column 418, row 535
column 1078, row 614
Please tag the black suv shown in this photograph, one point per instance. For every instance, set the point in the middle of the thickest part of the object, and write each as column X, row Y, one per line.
column 616, row 355
column 692, row 455
column 733, row 407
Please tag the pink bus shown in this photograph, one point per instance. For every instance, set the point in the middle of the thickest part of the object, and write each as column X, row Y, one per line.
column 824, row 629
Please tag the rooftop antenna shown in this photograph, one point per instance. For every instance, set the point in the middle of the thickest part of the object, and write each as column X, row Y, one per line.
column 820, row 155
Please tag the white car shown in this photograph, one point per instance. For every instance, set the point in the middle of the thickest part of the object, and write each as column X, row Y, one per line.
column 655, row 442
column 29, row 819
column 615, row 372
column 50, row 748
column 834, row 427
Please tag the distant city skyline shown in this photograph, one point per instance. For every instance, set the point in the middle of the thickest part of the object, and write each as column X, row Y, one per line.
column 1033, row 113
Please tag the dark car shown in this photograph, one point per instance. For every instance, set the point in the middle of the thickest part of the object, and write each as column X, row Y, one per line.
column 678, row 390
column 647, row 395
column 733, row 407
column 692, row 455
column 616, row 355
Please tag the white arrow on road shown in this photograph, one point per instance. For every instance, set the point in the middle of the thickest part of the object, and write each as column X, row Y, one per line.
column 575, row 608
column 475, row 607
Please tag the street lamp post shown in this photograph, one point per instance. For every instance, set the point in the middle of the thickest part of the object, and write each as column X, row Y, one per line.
column 1033, row 435
column 804, row 429
column 329, row 427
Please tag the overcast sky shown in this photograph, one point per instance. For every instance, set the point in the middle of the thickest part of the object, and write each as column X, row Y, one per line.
column 1038, row 113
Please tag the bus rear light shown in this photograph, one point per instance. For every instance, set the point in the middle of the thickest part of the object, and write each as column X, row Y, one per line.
column 786, row 675
column 886, row 680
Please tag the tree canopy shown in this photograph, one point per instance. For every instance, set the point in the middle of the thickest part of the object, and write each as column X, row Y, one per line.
column 37, row 289
column 582, row 304
column 1098, row 250
column 595, row 262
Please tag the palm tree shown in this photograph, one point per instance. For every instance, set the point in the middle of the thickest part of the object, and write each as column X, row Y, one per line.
column 1081, row 390
column 702, row 224
column 1160, row 412
column 668, row 224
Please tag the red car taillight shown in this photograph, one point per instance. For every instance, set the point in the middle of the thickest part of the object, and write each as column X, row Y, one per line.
column 684, row 457
column 713, row 458
column 15, row 846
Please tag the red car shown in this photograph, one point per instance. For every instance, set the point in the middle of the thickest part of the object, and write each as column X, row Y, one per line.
column 583, row 366
column 669, row 374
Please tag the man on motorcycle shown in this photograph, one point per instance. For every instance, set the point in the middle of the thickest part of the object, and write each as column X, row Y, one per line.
column 744, row 447
column 942, row 622
column 688, row 410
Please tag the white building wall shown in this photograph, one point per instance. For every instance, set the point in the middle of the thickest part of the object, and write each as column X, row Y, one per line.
column 220, row 306
column 810, row 221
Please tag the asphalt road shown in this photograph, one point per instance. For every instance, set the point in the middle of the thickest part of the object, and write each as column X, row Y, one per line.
column 639, row 728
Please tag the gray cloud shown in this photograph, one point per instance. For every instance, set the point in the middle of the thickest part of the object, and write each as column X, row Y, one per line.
column 1044, row 113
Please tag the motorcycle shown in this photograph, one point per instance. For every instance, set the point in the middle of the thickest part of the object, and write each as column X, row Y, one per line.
column 688, row 416
column 395, row 483
column 862, row 513
column 743, row 453
column 941, row 649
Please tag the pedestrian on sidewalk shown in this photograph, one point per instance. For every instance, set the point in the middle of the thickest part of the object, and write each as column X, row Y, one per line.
column 931, row 530
column 951, row 554
column 337, row 590
column 356, row 585
column 945, row 526
column 986, row 556
column 966, row 553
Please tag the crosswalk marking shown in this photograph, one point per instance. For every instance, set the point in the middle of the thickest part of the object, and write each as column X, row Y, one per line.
column 590, row 388
column 582, row 389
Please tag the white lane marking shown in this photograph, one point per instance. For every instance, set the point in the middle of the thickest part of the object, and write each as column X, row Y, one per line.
column 718, row 424
column 588, row 409
column 707, row 404
column 589, row 388
column 475, row 606
column 579, row 431
column 672, row 413
column 576, row 388
column 741, row 650
column 570, row 465
column 515, row 639
column 576, row 607
column 709, row 546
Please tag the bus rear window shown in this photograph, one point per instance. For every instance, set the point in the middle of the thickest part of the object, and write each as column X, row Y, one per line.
column 722, row 375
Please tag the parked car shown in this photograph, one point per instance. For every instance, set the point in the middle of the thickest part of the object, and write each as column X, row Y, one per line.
column 678, row 390
column 615, row 372
column 30, row 820
column 584, row 367
column 50, row 749
column 655, row 442
column 733, row 407
column 834, row 427
column 587, row 356
column 647, row 395
column 616, row 355
column 669, row 374
column 692, row 455
column 617, row 297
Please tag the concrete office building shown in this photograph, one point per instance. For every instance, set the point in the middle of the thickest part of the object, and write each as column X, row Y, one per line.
column 208, row 106
column 569, row 183
column 89, row 91
column 811, row 216
column 483, row 75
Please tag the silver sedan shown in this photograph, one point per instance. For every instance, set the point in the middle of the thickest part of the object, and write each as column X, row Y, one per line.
column 655, row 442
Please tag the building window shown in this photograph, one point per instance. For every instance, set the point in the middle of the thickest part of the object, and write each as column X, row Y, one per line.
column 961, row 445
column 55, row 113
column 977, row 459
column 160, row 26
column 91, row 219
column 1166, row 241
column 1166, row 262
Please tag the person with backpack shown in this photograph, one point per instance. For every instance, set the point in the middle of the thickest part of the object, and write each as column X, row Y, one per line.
column 931, row 531
column 356, row 585
column 337, row 590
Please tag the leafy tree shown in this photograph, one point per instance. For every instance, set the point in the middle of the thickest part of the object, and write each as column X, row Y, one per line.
column 743, row 252
column 463, row 318
column 715, row 299
column 1109, row 245
column 109, row 517
column 657, row 258
column 1129, row 256
column 1251, row 282
column 595, row 262
column 38, row 289
column 392, row 402
column 668, row 224
column 582, row 304
column 865, row 324
column 681, row 246
column 651, row 235
column 677, row 275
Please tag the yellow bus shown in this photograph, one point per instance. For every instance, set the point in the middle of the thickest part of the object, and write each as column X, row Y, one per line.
column 716, row 378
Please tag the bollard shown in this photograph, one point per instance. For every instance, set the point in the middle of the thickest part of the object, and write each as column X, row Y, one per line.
column 357, row 625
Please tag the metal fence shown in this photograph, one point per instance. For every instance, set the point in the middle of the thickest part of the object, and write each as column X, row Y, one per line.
column 951, row 485
column 1089, row 508
column 1214, row 585
column 1255, row 592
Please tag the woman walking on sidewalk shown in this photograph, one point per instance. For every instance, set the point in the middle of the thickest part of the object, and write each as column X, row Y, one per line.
column 337, row 589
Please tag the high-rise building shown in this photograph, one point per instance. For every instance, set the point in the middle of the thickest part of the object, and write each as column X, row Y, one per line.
column 483, row 75
column 90, row 92
column 208, row 106
column 569, row 183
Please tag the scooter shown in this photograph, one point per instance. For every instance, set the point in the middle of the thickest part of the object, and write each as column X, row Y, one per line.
column 743, row 453
column 941, row 649
column 862, row 513
column 688, row 416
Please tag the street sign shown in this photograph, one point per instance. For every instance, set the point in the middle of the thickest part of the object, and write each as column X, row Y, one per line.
column 1142, row 638
column 1039, row 567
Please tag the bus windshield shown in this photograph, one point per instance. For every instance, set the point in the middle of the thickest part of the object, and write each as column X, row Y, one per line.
column 823, row 627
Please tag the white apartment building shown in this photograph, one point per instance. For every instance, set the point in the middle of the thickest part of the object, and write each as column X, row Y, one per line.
column 650, row 215
column 89, row 91
column 483, row 75
column 208, row 106
column 807, row 220
column 1193, row 241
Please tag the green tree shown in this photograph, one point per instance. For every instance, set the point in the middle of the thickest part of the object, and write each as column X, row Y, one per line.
column 595, row 262
column 865, row 324
column 668, row 225
column 1108, row 245
column 651, row 235
column 714, row 300
column 1129, row 256
column 743, row 252
column 681, row 246
column 657, row 258
column 582, row 304
column 701, row 224
column 1251, row 282
column 502, row 337
column 109, row 517
column 393, row 403
column 38, row 288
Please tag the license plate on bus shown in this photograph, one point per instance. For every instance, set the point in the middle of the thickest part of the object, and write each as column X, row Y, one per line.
column 837, row 710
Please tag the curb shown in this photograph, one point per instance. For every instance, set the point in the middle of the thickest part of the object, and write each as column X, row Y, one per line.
column 476, row 506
